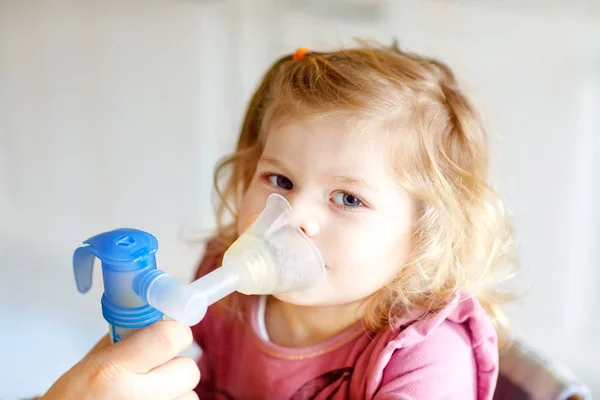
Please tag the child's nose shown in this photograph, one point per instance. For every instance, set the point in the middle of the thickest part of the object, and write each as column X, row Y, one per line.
column 305, row 216
column 310, row 227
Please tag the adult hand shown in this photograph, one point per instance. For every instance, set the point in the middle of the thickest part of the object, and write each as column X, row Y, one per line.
column 144, row 365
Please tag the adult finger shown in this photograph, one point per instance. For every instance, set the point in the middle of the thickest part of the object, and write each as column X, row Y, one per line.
column 149, row 347
column 173, row 379
column 102, row 343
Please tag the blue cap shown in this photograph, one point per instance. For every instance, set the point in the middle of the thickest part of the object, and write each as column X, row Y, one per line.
column 123, row 250
column 124, row 253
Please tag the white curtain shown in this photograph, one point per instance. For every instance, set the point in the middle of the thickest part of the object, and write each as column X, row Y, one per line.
column 114, row 113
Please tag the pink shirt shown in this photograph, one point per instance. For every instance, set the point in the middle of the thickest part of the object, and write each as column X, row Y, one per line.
column 451, row 355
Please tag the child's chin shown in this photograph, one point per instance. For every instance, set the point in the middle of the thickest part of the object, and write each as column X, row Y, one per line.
column 301, row 299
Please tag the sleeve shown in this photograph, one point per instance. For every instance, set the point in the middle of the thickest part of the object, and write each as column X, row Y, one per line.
column 442, row 367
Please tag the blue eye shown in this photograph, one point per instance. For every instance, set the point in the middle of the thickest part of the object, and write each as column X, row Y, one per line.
column 347, row 200
column 280, row 181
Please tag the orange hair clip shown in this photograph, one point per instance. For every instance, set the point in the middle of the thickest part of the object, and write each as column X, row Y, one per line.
column 300, row 53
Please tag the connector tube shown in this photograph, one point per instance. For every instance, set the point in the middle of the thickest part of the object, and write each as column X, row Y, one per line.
column 186, row 303
column 218, row 283
column 168, row 295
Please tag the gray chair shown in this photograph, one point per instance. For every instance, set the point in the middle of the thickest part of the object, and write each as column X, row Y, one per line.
column 525, row 374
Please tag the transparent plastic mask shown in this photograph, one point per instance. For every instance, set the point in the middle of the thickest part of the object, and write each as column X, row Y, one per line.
column 272, row 256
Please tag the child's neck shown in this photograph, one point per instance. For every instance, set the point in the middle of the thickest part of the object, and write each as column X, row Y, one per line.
column 290, row 325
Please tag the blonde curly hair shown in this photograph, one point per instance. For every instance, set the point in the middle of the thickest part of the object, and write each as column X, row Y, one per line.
column 462, row 239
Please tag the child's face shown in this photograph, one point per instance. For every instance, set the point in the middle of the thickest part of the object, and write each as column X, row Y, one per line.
column 345, row 197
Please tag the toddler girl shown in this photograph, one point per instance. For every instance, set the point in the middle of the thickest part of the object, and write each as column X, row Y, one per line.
column 384, row 162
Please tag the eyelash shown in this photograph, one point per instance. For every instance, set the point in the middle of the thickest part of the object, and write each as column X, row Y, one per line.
column 267, row 178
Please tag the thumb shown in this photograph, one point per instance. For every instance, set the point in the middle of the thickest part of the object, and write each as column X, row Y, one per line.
column 104, row 342
column 149, row 347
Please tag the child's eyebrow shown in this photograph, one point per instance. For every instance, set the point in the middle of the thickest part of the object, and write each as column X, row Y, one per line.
column 353, row 181
column 339, row 179
column 276, row 163
column 273, row 161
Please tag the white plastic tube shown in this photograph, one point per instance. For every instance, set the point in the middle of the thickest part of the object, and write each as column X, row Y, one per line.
column 272, row 256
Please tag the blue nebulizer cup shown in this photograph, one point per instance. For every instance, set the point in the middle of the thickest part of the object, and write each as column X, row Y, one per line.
column 272, row 256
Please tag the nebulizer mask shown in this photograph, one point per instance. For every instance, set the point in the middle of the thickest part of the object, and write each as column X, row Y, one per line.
column 272, row 256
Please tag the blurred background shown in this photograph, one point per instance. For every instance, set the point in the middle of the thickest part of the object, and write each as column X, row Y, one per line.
column 114, row 113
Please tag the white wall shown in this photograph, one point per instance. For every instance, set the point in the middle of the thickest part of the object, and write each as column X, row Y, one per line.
column 114, row 114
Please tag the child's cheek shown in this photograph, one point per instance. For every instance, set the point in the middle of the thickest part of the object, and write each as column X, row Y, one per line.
column 245, row 221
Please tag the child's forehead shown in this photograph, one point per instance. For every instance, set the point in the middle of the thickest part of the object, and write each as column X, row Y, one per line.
column 330, row 145
column 342, row 125
column 334, row 133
